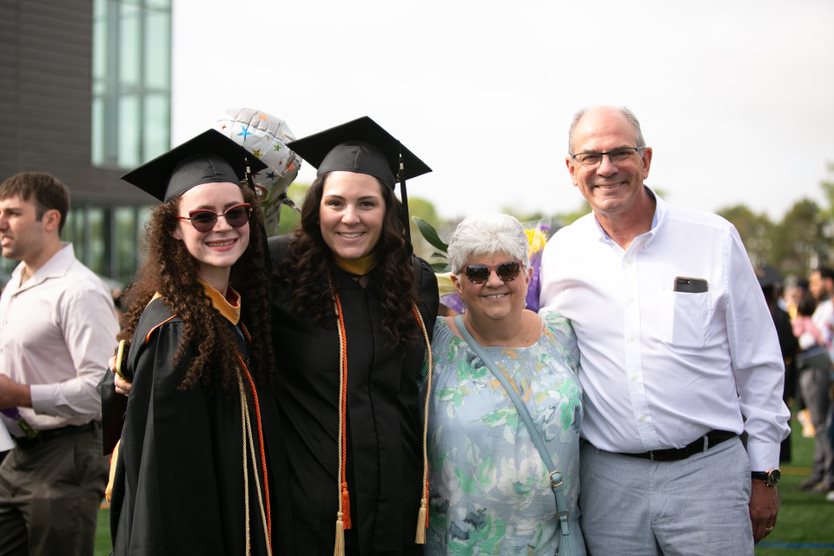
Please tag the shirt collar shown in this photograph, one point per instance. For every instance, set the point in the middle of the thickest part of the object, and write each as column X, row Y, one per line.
column 55, row 267
column 659, row 216
column 660, row 210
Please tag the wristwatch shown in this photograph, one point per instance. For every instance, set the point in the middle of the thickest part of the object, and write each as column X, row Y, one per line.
column 770, row 478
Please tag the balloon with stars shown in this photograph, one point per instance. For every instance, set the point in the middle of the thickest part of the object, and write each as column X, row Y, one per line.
column 266, row 137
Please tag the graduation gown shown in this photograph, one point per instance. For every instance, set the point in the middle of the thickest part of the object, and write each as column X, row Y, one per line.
column 179, row 484
column 384, row 417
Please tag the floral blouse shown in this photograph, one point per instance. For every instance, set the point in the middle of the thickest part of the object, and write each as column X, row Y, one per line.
column 490, row 492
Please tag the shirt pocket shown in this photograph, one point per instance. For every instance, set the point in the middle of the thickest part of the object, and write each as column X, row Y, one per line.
column 687, row 316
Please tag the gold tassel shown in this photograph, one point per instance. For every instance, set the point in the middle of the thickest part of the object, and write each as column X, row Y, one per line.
column 422, row 523
column 339, row 549
column 111, row 476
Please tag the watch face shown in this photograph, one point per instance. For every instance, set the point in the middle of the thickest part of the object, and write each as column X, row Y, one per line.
column 773, row 476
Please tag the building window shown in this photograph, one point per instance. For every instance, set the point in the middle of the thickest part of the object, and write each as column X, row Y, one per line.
column 131, row 81
column 108, row 240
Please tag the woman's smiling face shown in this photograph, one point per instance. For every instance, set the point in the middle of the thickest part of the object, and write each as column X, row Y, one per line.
column 351, row 213
column 221, row 247
column 494, row 299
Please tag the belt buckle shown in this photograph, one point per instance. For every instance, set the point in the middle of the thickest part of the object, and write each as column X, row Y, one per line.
column 555, row 479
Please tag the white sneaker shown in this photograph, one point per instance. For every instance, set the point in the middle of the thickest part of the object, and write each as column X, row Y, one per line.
column 804, row 418
column 830, row 496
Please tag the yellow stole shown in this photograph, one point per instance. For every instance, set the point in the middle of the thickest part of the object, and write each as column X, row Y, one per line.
column 227, row 305
column 359, row 267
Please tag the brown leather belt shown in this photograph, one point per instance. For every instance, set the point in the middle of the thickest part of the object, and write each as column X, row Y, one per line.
column 702, row 444
column 47, row 435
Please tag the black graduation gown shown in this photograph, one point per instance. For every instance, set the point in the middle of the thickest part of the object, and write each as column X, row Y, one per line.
column 384, row 425
column 789, row 345
column 179, row 479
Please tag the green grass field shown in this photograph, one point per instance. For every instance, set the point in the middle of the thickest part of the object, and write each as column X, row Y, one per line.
column 805, row 526
column 103, row 544
column 806, row 521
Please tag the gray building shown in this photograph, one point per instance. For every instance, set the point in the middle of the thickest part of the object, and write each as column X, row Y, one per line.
column 85, row 93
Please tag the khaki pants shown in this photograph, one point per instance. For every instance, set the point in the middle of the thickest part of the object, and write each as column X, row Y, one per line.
column 50, row 494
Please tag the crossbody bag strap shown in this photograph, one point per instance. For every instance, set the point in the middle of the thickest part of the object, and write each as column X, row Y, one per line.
column 556, row 483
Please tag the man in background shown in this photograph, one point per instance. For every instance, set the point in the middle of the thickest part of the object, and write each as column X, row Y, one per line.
column 679, row 356
column 57, row 331
column 815, row 382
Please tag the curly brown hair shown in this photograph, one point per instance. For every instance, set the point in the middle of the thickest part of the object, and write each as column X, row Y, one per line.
column 310, row 263
column 170, row 270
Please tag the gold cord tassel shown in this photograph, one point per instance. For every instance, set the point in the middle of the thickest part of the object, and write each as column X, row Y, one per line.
column 111, row 477
column 423, row 513
column 422, row 522
column 339, row 549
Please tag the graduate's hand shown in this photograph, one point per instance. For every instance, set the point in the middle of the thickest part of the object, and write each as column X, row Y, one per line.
column 122, row 386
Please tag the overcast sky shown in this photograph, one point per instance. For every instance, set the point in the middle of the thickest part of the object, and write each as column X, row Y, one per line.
column 735, row 97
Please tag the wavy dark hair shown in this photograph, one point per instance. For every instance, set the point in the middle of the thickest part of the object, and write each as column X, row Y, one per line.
column 310, row 263
column 170, row 270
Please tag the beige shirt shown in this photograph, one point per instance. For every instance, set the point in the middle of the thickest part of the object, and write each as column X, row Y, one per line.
column 57, row 332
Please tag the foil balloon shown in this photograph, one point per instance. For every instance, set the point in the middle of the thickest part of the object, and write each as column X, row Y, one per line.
column 266, row 137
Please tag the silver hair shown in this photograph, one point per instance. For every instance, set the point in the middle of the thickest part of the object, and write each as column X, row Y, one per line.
column 629, row 115
column 485, row 235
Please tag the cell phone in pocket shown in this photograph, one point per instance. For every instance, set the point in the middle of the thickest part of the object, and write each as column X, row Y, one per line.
column 690, row 285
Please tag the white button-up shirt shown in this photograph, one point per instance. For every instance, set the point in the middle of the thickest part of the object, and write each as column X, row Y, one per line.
column 660, row 367
column 57, row 332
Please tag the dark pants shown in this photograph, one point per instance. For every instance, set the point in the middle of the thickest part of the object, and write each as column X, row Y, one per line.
column 50, row 493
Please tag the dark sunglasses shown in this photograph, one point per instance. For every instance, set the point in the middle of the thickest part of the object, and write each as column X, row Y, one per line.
column 479, row 273
column 204, row 220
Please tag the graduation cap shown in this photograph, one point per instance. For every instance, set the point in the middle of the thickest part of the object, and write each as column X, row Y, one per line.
column 210, row 157
column 364, row 147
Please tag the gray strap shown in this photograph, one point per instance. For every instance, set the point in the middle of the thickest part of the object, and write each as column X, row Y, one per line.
column 556, row 482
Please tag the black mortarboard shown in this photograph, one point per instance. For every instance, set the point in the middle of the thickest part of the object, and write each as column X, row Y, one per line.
column 362, row 146
column 210, row 157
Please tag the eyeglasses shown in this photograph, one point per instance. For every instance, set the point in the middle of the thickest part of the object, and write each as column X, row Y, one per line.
column 480, row 273
column 593, row 158
column 204, row 220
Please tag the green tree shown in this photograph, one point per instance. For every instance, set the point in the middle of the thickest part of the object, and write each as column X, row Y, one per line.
column 756, row 231
column 798, row 241
column 565, row 218
column 827, row 257
column 828, row 190
column 290, row 217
